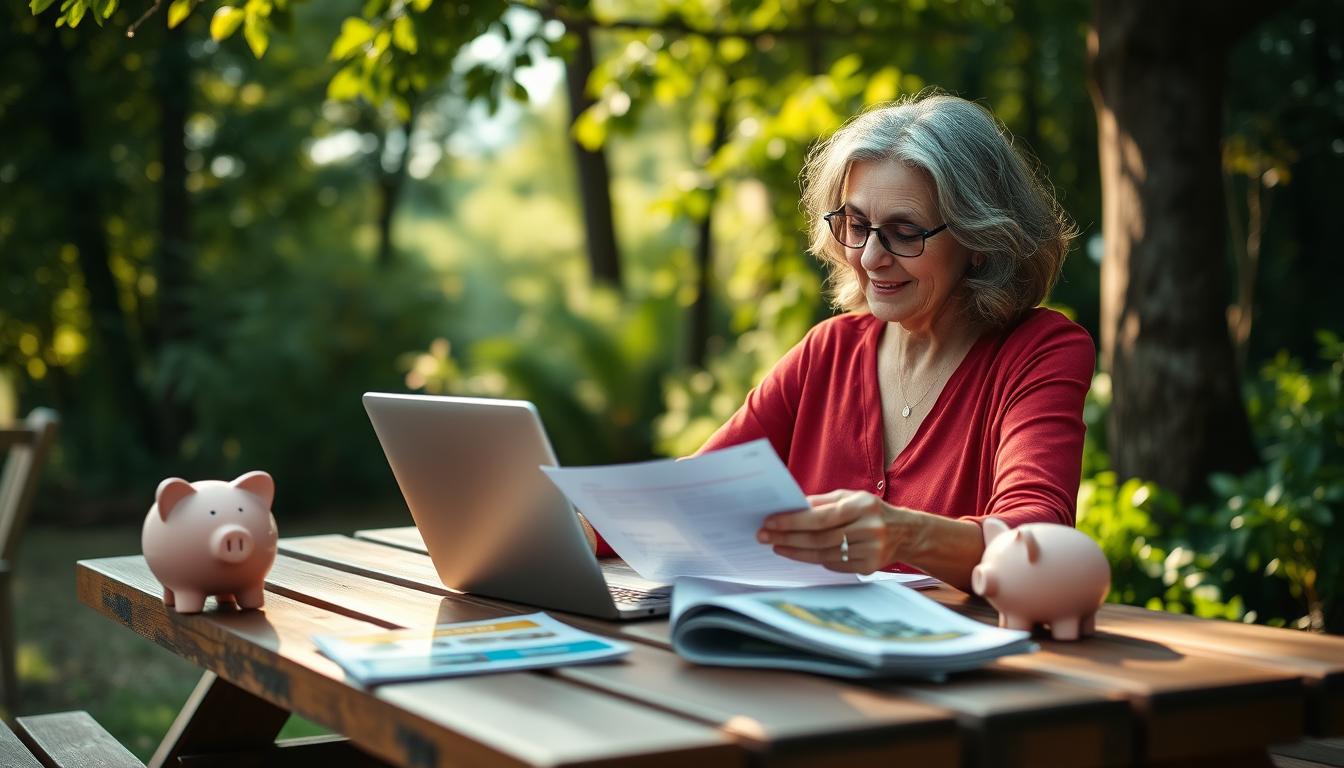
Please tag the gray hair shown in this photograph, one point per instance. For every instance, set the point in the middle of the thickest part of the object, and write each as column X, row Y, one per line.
column 992, row 201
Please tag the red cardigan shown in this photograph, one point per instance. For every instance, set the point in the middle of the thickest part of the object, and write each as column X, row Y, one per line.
column 1004, row 438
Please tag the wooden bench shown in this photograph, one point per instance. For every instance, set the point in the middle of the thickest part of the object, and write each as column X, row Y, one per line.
column 61, row 740
column 23, row 449
column 1315, row 753
column 76, row 740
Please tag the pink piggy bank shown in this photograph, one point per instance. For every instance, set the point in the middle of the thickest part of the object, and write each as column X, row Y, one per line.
column 211, row 538
column 1042, row 573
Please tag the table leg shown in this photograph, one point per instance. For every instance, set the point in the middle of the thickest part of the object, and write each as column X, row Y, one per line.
column 9, row 676
column 219, row 716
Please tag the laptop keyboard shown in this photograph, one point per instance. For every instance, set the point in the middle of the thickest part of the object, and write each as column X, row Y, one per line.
column 627, row 595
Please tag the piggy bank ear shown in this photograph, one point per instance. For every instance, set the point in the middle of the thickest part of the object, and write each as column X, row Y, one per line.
column 1029, row 541
column 171, row 491
column 993, row 527
column 258, row 484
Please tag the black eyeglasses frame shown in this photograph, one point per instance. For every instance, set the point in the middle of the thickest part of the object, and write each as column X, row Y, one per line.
column 925, row 234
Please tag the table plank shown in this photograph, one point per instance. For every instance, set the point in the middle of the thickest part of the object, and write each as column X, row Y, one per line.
column 1195, row 701
column 12, row 752
column 407, row 538
column 474, row 720
column 782, row 716
column 1006, row 717
column 1319, row 659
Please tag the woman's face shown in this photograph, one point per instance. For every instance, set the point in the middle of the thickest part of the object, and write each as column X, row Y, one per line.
column 914, row 292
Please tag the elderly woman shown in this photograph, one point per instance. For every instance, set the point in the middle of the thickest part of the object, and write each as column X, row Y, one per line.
column 944, row 394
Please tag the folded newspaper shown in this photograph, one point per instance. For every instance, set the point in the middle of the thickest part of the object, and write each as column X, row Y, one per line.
column 881, row 629
column 465, row 648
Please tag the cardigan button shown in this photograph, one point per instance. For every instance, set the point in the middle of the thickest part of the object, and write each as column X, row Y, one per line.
column 881, row 484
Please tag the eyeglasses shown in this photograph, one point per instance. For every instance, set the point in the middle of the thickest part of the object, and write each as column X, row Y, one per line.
column 900, row 238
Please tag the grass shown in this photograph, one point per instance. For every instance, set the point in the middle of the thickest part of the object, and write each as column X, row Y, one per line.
column 73, row 658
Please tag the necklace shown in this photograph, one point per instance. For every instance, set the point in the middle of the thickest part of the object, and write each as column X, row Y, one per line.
column 909, row 407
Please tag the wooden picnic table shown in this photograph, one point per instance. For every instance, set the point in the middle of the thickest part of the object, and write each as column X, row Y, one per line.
column 1150, row 689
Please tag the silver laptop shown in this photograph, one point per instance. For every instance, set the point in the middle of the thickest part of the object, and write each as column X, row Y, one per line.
column 493, row 523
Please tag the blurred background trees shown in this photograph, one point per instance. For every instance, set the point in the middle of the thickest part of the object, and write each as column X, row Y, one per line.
column 217, row 234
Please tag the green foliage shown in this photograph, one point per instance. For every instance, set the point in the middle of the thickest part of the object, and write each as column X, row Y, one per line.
column 1280, row 521
column 1267, row 547
column 1282, row 157
column 594, row 374
column 390, row 54
column 1147, row 539
column 697, row 402
column 327, row 329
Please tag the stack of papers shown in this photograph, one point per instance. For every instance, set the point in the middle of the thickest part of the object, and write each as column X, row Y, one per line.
column 735, row 602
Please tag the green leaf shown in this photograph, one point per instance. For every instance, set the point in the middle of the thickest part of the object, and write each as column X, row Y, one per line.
column 39, row 6
column 346, row 85
column 883, row 85
column 590, row 129
column 225, row 22
column 381, row 40
column 403, row 34
column 846, row 66
column 1225, row 485
column 257, row 33
column 732, row 49
column 355, row 34
column 178, row 12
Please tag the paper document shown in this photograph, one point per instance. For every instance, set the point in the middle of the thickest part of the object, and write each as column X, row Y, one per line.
column 466, row 648
column 698, row 516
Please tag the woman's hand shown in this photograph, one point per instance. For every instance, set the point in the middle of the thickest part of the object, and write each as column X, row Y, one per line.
column 877, row 533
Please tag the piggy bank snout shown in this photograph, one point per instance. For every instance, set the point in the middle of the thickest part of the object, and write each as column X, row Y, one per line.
column 231, row 543
column 983, row 581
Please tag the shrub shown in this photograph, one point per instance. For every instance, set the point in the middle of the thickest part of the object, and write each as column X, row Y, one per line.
column 1266, row 548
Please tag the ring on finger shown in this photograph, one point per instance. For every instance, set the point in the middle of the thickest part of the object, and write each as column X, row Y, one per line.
column 844, row 548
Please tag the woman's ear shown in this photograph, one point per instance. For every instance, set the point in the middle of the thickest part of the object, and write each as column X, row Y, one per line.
column 977, row 259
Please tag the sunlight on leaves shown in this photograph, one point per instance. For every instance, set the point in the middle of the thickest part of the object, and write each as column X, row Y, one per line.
column 178, row 12
column 225, row 22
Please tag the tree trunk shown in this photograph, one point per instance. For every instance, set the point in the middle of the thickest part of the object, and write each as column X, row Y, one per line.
column 112, row 351
column 814, row 43
column 1029, row 21
column 704, row 249
column 1246, row 243
column 390, row 186
column 174, row 267
column 1157, row 74
column 594, row 179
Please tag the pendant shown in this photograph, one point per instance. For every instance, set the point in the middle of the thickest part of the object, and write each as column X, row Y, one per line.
column 906, row 411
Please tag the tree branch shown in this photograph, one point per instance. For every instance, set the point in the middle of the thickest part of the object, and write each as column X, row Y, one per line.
column 153, row 9
column 678, row 25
